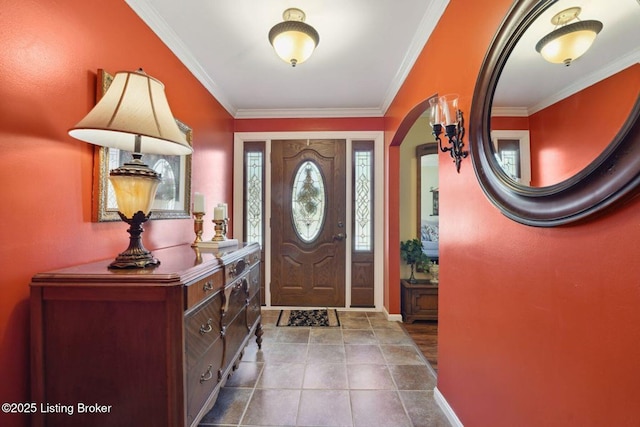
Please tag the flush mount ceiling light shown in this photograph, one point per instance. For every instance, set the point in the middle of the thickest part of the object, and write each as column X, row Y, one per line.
column 569, row 41
column 293, row 39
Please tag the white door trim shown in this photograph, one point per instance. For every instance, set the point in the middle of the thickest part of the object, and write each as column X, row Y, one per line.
column 378, row 137
column 524, row 150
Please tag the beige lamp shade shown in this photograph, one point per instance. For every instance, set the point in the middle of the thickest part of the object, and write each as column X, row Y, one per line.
column 293, row 40
column 135, row 104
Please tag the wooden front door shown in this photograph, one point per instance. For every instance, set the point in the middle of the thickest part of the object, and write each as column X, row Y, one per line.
column 308, row 223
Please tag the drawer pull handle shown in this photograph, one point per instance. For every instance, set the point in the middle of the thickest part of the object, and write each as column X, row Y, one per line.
column 237, row 268
column 207, row 375
column 208, row 286
column 205, row 329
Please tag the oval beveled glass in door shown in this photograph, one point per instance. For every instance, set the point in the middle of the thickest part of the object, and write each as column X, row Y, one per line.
column 308, row 201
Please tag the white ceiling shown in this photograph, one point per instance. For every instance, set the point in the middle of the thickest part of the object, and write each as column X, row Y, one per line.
column 366, row 49
column 529, row 84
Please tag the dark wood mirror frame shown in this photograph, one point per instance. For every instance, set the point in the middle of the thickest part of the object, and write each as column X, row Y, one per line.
column 612, row 176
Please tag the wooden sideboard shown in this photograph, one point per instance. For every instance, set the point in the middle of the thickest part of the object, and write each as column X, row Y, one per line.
column 144, row 347
column 419, row 301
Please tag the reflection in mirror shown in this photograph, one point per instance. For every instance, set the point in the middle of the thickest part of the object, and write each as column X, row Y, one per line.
column 550, row 121
column 577, row 191
column 428, row 199
column 512, row 151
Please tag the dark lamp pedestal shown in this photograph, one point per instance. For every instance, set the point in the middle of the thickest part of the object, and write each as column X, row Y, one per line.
column 136, row 256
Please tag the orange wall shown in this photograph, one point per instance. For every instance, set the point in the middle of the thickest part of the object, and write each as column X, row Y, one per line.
column 509, row 123
column 568, row 135
column 310, row 124
column 537, row 326
column 540, row 328
column 50, row 53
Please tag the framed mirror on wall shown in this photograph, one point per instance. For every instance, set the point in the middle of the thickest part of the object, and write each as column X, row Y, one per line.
column 581, row 116
column 428, row 199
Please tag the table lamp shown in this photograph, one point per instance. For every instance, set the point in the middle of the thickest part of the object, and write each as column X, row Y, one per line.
column 134, row 115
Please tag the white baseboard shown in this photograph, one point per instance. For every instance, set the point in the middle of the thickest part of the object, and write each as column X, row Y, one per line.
column 448, row 410
column 392, row 317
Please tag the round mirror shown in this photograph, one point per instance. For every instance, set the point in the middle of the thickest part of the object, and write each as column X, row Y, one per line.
column 554, row 142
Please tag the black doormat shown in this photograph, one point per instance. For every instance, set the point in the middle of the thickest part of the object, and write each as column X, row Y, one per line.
column 319, row 317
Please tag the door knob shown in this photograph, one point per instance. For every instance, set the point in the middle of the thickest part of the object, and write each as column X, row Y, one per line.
column 339, row 236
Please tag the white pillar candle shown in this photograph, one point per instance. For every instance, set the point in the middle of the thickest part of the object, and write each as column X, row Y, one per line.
column 447, row 113
column 224, row 210
column 199, row 204
column 218, row 213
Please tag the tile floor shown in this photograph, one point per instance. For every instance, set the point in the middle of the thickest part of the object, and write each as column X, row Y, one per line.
column 368, row 372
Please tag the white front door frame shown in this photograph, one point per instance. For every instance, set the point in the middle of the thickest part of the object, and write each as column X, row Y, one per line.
column 238, row 203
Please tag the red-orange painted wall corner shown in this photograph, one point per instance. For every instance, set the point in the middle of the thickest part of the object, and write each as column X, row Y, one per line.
column 50, row 54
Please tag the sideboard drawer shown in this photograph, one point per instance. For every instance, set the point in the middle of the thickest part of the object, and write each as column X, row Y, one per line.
column 203, row 288
column 202, row 378
column 202, row 328
column 235, row 334
column 235, row 298
column 253, row 285
column 238, row 267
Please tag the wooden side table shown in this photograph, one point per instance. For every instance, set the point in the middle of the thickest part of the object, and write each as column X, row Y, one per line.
column 419, row 301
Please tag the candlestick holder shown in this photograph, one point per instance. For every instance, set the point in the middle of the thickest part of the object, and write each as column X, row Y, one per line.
column 219, row 239
column 225, row 227
column 220, row 230
column 198, row 223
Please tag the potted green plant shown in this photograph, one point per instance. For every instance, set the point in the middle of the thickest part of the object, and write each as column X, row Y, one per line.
column 411, row 253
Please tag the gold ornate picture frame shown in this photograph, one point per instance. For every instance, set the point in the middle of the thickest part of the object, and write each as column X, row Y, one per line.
column 173, row 198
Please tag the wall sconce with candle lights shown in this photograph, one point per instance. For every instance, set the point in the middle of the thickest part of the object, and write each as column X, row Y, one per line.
column 444, row 112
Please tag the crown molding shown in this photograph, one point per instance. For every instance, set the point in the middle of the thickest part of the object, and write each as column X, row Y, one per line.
column 307, row 113
column 620, row 64
column 420, row 38
column 159, row 26
column 509, row 112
